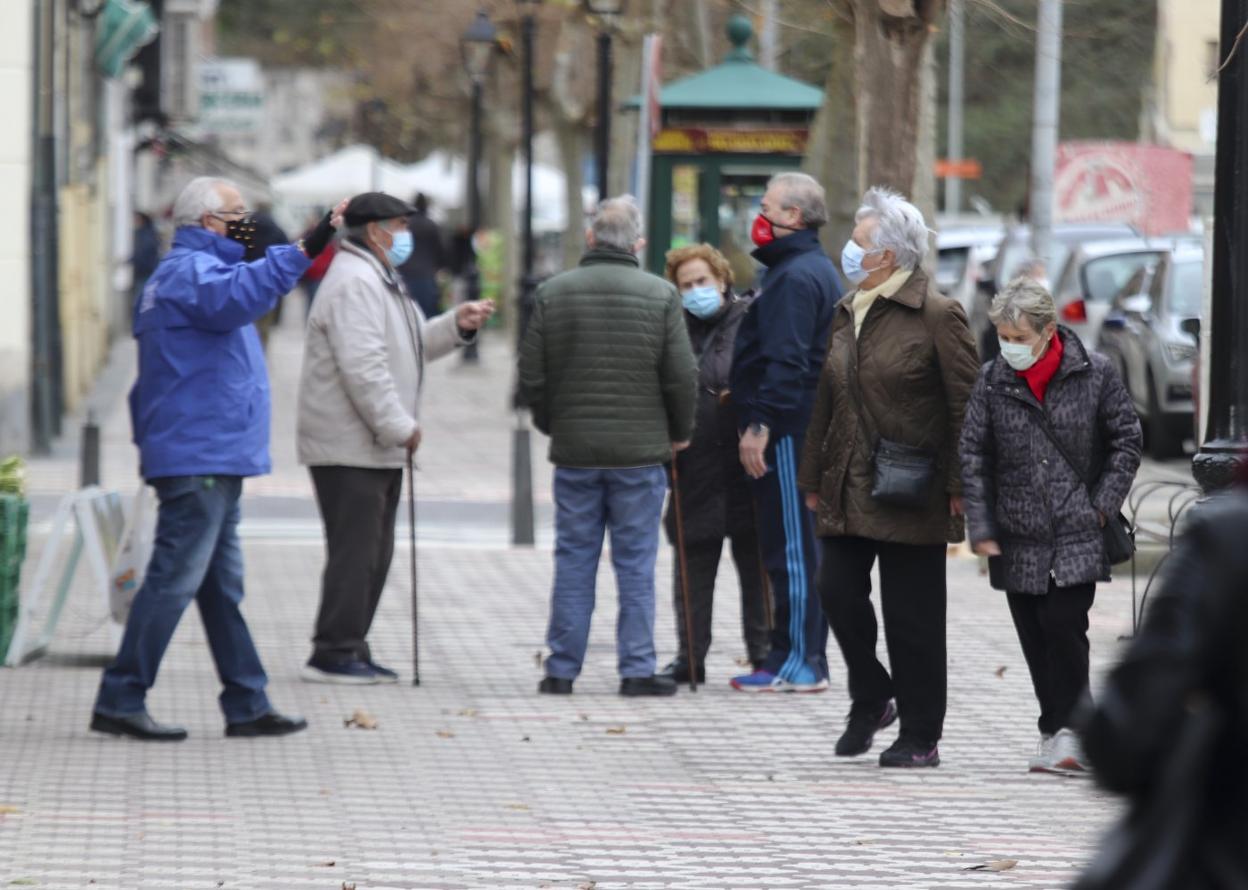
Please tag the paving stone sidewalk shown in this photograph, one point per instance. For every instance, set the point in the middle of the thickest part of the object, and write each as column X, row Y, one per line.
column 474, row 781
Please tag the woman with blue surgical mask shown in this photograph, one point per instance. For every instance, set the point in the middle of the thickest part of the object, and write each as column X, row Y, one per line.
column 715, row 499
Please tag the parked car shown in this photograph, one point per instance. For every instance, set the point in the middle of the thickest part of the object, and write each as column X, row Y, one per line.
column 963, row 254
column 1015, row 251
column 1095, row 273
column 1150, row 333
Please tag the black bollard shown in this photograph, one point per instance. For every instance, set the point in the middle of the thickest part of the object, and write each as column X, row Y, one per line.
column 89, row 466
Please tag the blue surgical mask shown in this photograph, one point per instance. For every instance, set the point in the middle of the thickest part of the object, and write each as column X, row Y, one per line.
column 702, row 302
column 401, row 249
column 1018, row 356
column 852, row 256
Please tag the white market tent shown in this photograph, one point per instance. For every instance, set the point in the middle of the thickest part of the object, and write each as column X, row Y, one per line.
column 359, row 168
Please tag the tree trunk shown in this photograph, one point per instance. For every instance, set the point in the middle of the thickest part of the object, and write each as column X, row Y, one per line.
column 832, row 156
column 888, row 54
column 570, row 137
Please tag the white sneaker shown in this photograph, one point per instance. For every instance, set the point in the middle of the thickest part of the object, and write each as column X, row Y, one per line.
column 1065, row 755
column 1044, row 753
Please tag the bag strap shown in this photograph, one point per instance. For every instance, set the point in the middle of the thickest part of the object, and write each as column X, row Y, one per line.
column 1047, row 427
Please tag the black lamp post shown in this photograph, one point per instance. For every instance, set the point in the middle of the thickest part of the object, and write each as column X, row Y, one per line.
column 521, row 452
column 1226, row 441
column 477, row 46
column 607, row 12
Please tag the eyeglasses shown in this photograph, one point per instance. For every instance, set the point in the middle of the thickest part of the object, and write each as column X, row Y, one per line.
column 236, row 213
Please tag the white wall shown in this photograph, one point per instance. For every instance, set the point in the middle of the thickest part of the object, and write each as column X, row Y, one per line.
column 16, row 39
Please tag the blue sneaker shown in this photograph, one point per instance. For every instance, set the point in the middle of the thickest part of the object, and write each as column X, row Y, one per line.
column 343, row 673
column 765, row 681
column 384, row 674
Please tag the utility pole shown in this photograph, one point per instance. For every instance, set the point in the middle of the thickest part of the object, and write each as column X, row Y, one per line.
column 768, row 36
column 957, row 101
column 1044, row 127
column 1226, row 439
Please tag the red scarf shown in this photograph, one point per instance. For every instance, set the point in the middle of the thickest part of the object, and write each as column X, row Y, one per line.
column 1041, row 373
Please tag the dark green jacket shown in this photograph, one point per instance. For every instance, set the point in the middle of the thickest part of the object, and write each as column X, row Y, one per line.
column 606, row 365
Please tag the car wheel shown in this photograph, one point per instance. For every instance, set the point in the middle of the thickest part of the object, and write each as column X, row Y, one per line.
column 1164, row 443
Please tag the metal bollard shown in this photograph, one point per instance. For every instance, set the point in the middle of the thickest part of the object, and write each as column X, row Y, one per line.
column 89, row 466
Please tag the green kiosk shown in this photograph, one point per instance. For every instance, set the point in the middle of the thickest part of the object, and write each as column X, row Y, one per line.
column 724, row 132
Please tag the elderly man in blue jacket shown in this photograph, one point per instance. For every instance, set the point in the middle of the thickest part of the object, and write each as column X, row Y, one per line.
column 200, row 412
column 779, row 352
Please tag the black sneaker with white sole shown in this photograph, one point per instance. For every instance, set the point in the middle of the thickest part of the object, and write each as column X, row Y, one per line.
column 341, row 673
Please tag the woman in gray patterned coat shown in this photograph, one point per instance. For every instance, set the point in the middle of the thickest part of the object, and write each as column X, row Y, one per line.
column 1027, row 508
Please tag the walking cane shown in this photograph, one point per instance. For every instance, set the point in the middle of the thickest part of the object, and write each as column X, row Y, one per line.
column 411, row 539
column 691, row 650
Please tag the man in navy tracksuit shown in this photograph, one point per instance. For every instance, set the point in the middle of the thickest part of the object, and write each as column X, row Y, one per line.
column 779, row 353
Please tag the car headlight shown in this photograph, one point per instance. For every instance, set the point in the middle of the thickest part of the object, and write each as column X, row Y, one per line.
column 1178, row 353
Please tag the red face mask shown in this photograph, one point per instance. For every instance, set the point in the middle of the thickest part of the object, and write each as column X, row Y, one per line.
column 762, row 232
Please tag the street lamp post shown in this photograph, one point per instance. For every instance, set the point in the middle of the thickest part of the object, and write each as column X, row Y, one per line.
column 1226, row 441
column 477, row 45
column 521, row 451
column 607, row 12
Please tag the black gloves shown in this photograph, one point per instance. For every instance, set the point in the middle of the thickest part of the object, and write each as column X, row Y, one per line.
column 320, row 237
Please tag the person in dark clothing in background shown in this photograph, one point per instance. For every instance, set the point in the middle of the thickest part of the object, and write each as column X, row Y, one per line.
column 420, row 272
column 714, row 490
column 146, row 254
column 779, row 352
column 266, row 233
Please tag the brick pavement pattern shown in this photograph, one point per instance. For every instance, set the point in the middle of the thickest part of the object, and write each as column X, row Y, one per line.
column 474, row 781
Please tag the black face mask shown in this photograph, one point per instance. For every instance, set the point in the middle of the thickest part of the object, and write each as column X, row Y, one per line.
column 242, row 230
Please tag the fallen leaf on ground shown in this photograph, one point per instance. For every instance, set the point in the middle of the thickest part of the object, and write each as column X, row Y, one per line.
column 22, row 882
column 518, row 806
column 526, row 739
column 8, row 809
column 742, row 661
column 445, row 734
column 994, row 865
column 583, row 716
column 468, row 712
column 346, row 886
column 616, row 730
column 361, row 719
column 588, row 885
column 1001, row 671
column 328, row 863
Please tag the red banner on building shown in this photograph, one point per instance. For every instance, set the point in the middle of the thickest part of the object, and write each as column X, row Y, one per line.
column 1146, row 186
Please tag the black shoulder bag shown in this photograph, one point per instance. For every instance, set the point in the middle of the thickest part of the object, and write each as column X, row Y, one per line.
column 903, row 473
column 1117, row 533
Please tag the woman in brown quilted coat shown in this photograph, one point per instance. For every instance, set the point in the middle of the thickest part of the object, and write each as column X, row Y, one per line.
column 1027, row 507
column 901, row 363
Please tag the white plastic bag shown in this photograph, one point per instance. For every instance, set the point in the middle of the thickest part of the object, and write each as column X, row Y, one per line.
column 133, row 552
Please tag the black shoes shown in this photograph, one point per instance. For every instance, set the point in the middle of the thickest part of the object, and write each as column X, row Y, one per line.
column 271, row 723
column 861, row 729
column 555, row 686
column 678, row 671
column 655, row 685
column 910, row 752
column 137, row 726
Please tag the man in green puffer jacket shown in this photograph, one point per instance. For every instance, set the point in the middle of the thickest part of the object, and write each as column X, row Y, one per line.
column 610, row 376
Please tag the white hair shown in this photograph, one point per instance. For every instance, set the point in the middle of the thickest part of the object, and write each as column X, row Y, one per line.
column 1024, row 297
column 202, row 195
column 804, row 193
column 617, row 223
column 899, row 225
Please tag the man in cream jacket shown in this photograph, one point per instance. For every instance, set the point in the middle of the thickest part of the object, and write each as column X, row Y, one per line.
column 359, row 407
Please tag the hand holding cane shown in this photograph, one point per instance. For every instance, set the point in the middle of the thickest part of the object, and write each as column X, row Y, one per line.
column 691, row 644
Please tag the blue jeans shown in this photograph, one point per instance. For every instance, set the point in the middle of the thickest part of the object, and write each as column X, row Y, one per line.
column 587, row 503
column 196, row 557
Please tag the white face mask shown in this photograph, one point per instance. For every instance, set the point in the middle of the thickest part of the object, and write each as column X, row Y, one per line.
column 1018, row 356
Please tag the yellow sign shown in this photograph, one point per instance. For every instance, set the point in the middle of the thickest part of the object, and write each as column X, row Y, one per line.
column 700, row 141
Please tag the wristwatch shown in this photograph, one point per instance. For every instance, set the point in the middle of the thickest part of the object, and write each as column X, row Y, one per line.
column 759, row 429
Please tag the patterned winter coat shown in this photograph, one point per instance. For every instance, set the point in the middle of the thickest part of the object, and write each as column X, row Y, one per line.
column 1021, row 492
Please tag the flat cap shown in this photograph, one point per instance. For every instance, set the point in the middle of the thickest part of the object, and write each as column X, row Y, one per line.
column 372, row 206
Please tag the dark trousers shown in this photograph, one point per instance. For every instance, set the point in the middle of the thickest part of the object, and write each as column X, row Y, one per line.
column 357, row 507
column 1053, row 629
column 912, row 598
column 703, row 561
column 799, row 633
column 196, row 557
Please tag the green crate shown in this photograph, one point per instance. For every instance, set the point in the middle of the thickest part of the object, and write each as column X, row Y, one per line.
column 14, row 517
